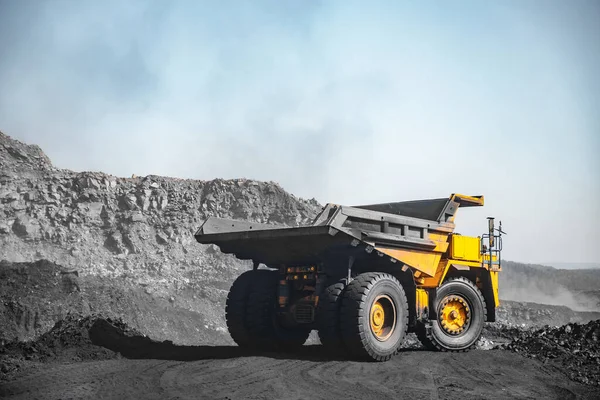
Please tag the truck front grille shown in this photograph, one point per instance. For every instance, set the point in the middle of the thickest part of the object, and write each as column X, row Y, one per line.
column 304, row 313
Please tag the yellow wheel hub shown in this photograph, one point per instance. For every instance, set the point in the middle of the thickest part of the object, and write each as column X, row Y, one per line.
column 455, row 314
column 377, row 317
column 382, row 317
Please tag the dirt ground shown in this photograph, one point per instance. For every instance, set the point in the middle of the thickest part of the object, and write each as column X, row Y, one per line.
column 227, row 373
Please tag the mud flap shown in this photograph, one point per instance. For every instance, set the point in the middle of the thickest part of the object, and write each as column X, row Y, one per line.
column 487, row 290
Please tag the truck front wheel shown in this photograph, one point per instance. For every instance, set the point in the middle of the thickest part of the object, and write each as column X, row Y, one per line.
column 461, row 314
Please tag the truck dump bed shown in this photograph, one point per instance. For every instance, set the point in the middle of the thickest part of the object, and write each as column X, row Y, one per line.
column 392, row 229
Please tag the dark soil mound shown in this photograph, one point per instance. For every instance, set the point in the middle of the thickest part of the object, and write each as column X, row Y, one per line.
column 574, row 346
column 69, row 340
column 78, row 338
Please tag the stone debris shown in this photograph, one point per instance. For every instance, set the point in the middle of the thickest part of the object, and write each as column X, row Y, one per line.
column 485, row 344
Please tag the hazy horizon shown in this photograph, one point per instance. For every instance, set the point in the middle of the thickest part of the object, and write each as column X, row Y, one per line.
column 339, row 101
column 567, row 265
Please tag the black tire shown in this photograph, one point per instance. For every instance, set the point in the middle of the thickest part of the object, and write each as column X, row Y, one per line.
column 261, row 319
column 463, row 290
column 358, row 306
column 328, row 317
column 235, row 308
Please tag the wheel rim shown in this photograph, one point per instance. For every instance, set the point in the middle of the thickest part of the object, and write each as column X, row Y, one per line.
column 454, row 314
column 383, row 317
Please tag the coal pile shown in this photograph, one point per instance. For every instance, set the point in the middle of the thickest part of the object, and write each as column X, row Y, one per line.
column 69, row 340
column 576, row 347
column 94, row 337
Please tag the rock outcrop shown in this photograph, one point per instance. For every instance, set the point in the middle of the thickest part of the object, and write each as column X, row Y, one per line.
column 101, row 224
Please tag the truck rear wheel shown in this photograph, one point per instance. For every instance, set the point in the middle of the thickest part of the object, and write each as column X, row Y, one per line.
column 328, row 317
column 374, row 316
column 235, row 308
column 461, row 312
column 251, row 314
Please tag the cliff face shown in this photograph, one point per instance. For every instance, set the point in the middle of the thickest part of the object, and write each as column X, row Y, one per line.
column 101, row 224
column 136, row 231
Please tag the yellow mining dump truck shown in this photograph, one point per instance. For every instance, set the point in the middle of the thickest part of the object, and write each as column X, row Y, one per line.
column 363, row 277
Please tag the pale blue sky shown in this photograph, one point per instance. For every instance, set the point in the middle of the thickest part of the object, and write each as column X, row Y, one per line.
column 347, row 102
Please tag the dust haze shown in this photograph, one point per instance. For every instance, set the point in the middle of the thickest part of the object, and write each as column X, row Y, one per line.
column 576, row 289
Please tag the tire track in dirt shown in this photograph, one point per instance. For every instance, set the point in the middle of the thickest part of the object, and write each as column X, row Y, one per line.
column 308, row 374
